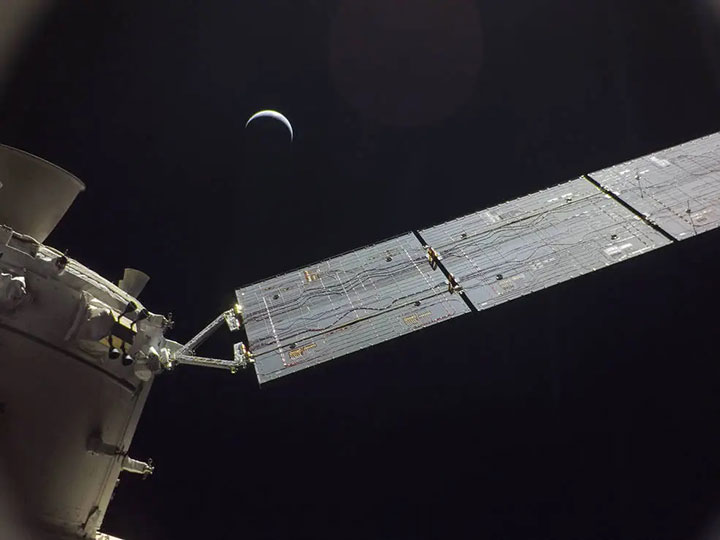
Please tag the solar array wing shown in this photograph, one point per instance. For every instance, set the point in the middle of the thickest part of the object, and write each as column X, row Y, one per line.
column 347, row 303
column 539, row 240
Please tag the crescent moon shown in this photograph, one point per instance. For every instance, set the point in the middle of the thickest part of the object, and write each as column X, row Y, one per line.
column 272, row 114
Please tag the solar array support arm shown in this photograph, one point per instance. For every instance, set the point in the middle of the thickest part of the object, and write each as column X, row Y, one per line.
column 241, row 356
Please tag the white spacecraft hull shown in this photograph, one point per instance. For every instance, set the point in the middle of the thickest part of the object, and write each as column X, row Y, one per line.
column 68, row 411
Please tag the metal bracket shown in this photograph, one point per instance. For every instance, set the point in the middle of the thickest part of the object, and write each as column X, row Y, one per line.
column 433, row 257
column 136, row 466
column 241, row 356
column 105, row 536
column 96, row 446
column 231, row 317
column 241, row 359
column 453, row 285
column 234, row 318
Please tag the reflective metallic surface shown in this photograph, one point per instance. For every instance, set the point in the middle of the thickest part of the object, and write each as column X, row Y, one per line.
column 531, row 243
column 374, row 294
column 677, row 188
column 344, row 304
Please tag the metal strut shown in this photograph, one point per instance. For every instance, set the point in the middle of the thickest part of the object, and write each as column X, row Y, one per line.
column 241, row 359
column 241, row 356
column 202, row 336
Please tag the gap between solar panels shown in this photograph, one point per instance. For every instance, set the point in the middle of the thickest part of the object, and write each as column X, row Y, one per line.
column 652, row 224
column 435, row 260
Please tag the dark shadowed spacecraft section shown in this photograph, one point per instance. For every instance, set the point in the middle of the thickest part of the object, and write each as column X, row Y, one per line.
column 347, row 303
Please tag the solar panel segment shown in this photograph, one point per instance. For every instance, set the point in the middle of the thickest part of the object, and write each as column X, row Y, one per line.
column 539, row 240
column 347, row 303
column 678, row 188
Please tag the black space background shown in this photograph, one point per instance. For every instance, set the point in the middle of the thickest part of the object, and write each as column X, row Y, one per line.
column 585, row 411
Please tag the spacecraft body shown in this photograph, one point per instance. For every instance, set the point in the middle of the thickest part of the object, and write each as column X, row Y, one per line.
column 77, row 358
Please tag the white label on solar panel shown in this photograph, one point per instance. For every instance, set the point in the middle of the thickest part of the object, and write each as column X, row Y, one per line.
column 347, row 303
column 539, row 240
column 677, row 188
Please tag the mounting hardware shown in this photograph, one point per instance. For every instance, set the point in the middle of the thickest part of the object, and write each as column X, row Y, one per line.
column 433, row 257
column 453, row 285
column 186, row 353
column 233, row 318
column 61, row 262
column 136, row 466
column 129, row 308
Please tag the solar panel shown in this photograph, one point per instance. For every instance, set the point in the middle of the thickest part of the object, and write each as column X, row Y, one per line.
column 539, row 240
column 325, row 310
column 347, row 303
column 677, row 188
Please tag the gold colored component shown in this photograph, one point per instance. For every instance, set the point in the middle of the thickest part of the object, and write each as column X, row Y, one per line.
column 509, row 283
column 453, row 285
column 311, row 276
column 123, row 333
column 248, row 354
column 296, row 353
column 416, row 318
column 433, row 257
column 114, row 342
